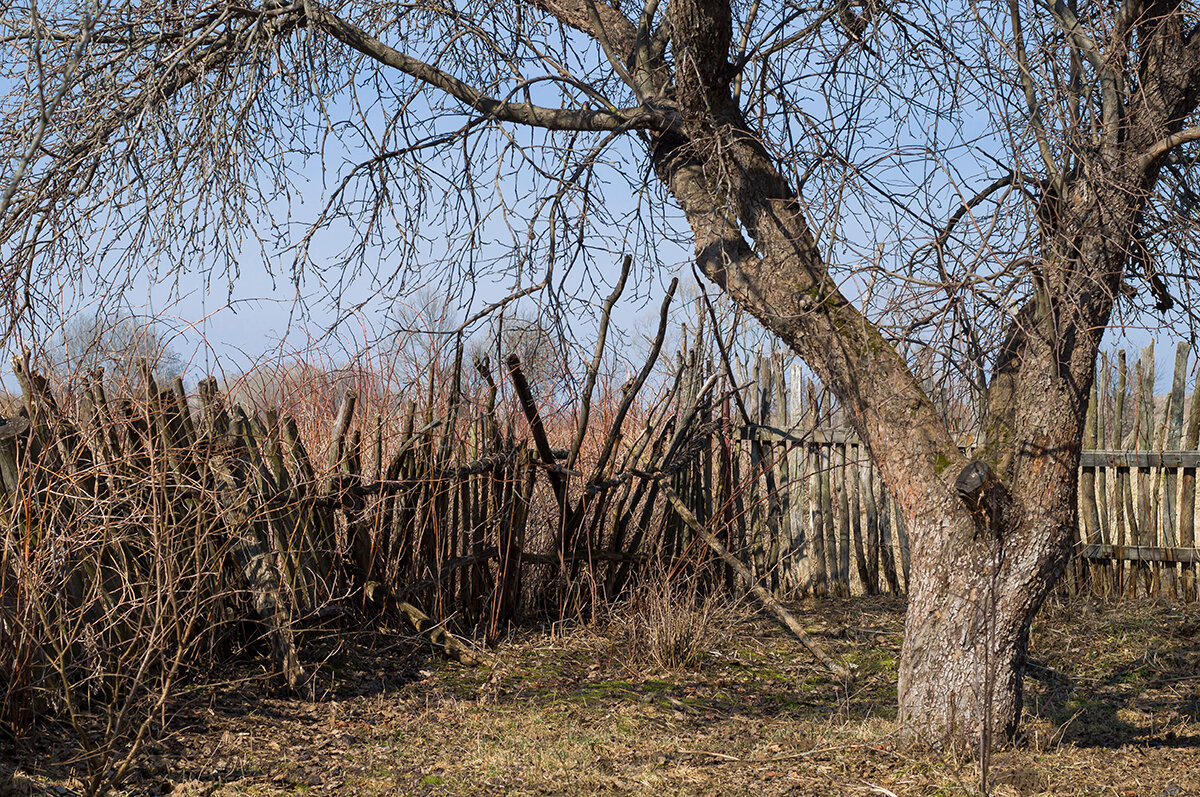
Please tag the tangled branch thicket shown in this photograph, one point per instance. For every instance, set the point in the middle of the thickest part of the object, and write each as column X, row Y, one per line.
column 149, row 534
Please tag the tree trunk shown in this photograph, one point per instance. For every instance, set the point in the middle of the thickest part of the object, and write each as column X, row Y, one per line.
column 961, row 667
column 966, row 635
column 978, row 579
column 987, row 539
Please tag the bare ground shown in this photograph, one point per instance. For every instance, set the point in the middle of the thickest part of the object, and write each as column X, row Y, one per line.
column 1113, row 708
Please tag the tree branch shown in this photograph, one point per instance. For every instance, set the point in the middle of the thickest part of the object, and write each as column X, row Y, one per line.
column 642, row 39
column 1031, row 98
column 606, row 22
column 614, row 58
column 585, row 398
column 1011, row 179
column 938, row 244
column 206, row 52
column 1110, row 98
column 47, row 111
column 844, row 674
column 583, row 119
column 1161, row 148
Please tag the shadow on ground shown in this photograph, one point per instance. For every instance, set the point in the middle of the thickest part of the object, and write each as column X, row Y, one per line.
column 1117, row 674
column 1112, row 703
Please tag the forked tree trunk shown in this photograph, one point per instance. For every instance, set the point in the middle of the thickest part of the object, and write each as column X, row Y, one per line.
column 975, row 584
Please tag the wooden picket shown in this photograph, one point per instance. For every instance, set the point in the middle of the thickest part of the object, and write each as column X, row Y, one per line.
column 1137, row 489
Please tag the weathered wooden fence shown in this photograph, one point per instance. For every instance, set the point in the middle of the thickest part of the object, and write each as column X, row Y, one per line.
column 165, row 522
column 810, row 513
column 151, row 531
column 1138, row 482
column 819, row 519
column 113, row 505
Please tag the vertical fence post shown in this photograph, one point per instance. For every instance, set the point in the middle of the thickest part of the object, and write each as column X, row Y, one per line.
column 817, row 503
column 1170, row 518
column 1122, row 494
column 1187, row 494
column 1108, row 518
column 1088, row 528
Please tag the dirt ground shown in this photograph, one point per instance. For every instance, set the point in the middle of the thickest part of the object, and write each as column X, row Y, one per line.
column 1113, row 708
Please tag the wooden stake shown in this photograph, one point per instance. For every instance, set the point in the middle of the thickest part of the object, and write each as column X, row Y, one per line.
column 768, row 601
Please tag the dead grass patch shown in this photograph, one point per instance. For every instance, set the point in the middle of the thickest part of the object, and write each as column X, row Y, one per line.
column 1112, row 711
column 667, row 624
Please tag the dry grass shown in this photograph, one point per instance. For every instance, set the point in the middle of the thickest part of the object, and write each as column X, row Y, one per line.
column 669, row 624
column 567, row 713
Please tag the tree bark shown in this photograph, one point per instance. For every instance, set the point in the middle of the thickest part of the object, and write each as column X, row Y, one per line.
column 971, row 602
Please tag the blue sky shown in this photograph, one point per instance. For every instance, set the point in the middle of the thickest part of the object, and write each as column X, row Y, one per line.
column 213, row 324
column 219, row 327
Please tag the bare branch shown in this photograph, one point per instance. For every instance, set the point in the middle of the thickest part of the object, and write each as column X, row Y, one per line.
column 1031, row 99
column 614, row 58
column 47, row 111
column 525, row 113
column 585, row 399
column 1161, row 148
column 595, row 19
column 1110, row 101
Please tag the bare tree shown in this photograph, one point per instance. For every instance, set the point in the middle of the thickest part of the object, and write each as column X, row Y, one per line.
column 538, row 347
column 88, row 342
column 989, row 181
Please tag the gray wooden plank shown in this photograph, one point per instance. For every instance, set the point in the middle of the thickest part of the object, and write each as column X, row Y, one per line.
column 1140, row 459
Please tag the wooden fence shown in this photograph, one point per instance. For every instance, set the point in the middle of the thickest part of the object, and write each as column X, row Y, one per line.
column 153, row 531
column 1138, row 481
column 187, row 527
column 818, row 518
column 814, row 487
column 470, row 509
column 111, row 504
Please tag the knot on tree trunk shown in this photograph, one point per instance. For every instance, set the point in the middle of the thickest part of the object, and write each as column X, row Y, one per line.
column 981, row 490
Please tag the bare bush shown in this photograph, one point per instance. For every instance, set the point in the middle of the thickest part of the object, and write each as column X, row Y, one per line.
column 111, row 589
column 116, row 344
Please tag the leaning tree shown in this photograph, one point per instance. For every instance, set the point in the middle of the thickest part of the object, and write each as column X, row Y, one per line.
column 989, row 181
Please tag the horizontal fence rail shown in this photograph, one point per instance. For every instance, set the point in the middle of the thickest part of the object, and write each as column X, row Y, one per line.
column 1141, row 553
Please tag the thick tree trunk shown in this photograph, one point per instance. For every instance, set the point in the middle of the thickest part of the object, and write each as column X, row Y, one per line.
column 979, row 577
column 967, row 629
column 961, row 669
